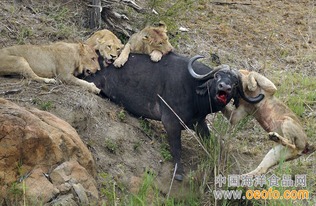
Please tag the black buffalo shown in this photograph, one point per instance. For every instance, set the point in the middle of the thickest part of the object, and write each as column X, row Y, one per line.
column 191, row 96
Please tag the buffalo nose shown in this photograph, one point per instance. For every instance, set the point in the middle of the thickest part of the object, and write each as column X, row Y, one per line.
column 224, row 87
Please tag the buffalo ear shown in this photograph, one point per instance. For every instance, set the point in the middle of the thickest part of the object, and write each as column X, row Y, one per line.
column 202, row 89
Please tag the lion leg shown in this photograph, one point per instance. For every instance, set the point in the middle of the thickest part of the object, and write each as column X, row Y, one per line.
column 272, row 158
column 12, row 65
column 234, row 115
column 70, row 79
column 155, row 56
column 281, row 140
column 122, row 59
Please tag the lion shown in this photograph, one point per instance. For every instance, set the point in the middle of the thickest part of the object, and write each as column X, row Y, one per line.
column 43, row 63
column 151, row 40
column 282, row 125
column 108, row 45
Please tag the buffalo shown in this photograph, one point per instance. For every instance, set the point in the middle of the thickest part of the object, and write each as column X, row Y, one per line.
column 171, row 89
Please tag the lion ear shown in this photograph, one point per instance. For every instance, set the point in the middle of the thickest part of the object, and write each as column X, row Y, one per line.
column 82, row 48
column 146, row 37
column 100, row 41
column 162, row 25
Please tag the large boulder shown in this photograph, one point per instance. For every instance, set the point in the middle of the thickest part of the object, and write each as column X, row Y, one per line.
column 42, row 158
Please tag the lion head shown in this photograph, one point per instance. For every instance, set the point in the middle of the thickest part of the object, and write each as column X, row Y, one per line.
column 88, row 60
column 107, row 44
column 156, row 38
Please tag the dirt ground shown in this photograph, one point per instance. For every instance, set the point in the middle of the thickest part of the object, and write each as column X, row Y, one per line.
column 275, row 38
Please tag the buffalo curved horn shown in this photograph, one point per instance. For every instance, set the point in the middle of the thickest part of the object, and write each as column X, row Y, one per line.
column 199, row 76
column 252, row 100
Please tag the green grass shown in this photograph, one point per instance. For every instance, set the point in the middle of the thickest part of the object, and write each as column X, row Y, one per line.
column 146, row 127
column 296, row 90
column 111, row 146
column 165, row 152
column 121, row 115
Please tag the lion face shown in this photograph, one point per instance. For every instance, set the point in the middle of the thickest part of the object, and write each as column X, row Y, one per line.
column 88, row 60
column 156, row 38
column 109, row 49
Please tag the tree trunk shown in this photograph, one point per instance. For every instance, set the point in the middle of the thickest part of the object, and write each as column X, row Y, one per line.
column 95, row 14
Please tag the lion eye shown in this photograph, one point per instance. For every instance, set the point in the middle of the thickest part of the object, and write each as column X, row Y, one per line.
column 109, row 46
column 93, row 58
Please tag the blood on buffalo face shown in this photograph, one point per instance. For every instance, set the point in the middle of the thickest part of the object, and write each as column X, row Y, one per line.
column 225, row 86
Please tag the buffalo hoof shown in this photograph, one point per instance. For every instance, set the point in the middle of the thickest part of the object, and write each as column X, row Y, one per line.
column 178, row 177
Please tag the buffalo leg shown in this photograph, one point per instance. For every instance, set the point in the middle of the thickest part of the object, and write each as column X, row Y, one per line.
column 173, row 129
column 202, row 129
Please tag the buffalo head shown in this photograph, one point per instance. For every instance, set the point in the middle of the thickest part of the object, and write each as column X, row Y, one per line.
column 222, row 84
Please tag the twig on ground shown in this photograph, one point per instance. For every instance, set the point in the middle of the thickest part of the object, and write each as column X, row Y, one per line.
column 50, row 91
column 229, row 3
column 12, row 91
column 174, row 174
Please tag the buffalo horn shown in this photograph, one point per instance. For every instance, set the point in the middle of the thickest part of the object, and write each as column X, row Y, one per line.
column 199, row 76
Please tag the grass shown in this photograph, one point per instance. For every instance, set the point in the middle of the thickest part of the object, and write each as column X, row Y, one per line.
column 146, row 127
column 165, row 152
column 299, row 89
column 121, row 115
column 43, row 105
column 111, row 146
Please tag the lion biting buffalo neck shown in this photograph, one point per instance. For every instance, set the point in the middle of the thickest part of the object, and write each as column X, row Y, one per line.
column 138, row 83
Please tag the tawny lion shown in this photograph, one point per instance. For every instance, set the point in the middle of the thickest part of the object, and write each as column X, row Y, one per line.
column 108, row 45
column 151, row 40
column 42, row 63
column 275, row 117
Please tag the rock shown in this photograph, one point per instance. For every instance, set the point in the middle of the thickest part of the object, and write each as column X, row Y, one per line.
column 80, row 191
column 37, row 180
column 32, row 144
column 74, row 174
column 64, row 200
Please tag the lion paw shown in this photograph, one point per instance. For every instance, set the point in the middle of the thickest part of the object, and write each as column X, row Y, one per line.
column 50, row 81
column 156, row 56
column 119, row 62
column 94, row 89
column 274, row 136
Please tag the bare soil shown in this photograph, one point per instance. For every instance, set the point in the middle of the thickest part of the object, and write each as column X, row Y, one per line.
column 275, row 38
